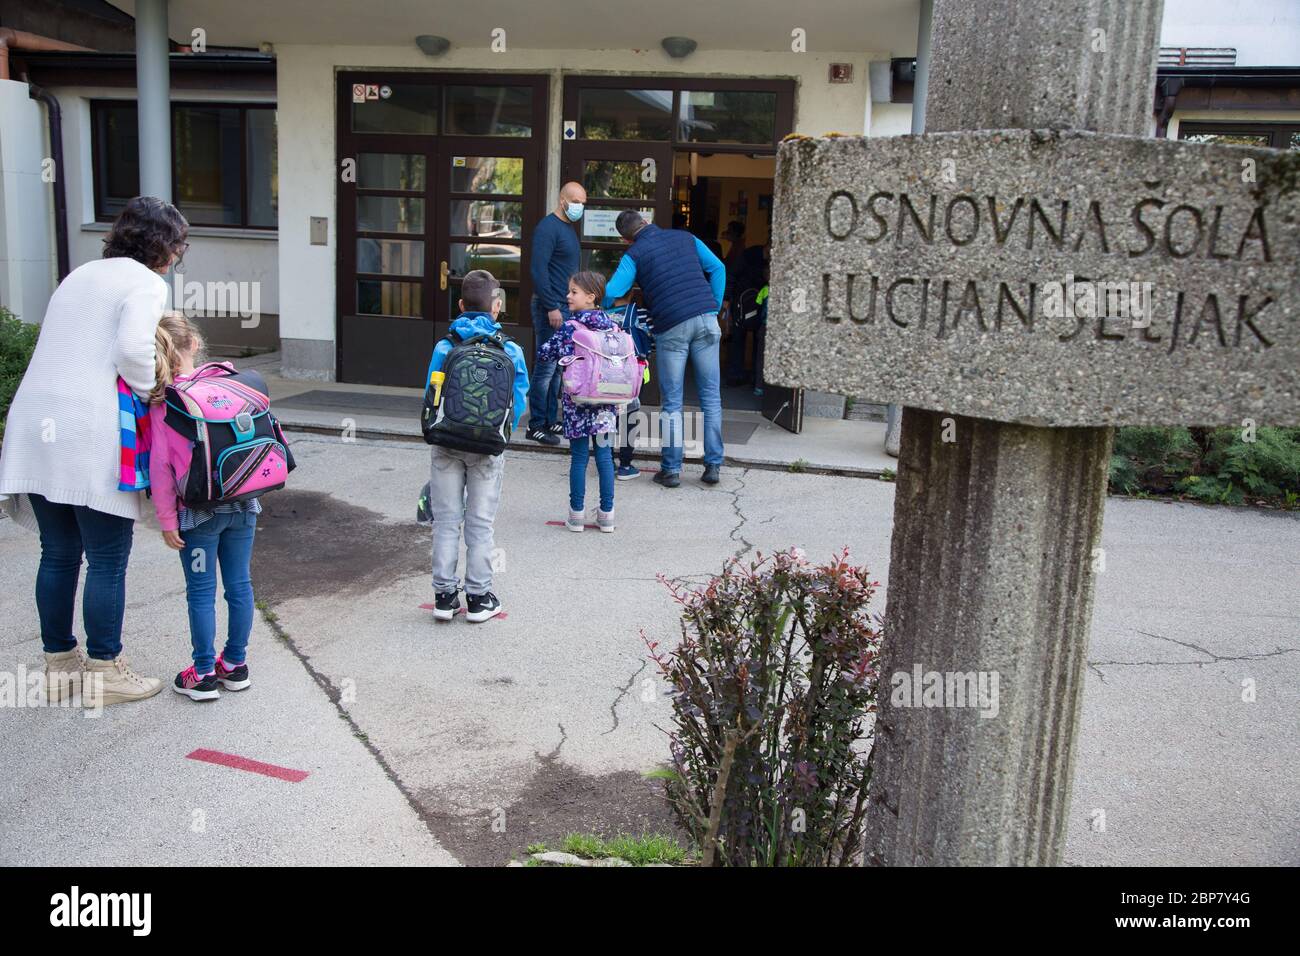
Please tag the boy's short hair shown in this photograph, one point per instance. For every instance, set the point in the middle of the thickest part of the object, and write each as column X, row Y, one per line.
column 478, row 289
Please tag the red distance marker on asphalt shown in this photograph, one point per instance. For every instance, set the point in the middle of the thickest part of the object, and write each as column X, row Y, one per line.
column 236, row 762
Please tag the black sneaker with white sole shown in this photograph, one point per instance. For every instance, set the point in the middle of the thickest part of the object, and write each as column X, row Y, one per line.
column 194, row 686
column 232, row 678
column 556, row 429
column 445, row 605
column 542, row 436
column 482, row 607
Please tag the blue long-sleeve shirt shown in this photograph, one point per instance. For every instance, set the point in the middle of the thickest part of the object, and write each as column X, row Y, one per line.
column 624, row 277
column 554, row 257
column 480, row 323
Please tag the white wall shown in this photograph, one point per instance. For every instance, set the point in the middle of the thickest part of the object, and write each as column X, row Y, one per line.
column 306, row 91
column 216, row 255
column 27, row 259
column 1264, row 32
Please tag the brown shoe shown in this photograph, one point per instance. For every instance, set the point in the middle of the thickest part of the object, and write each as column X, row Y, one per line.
column 63, row 672
column 113, row 682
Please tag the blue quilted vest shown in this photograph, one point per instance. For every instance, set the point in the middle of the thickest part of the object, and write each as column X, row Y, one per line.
column 670, row 276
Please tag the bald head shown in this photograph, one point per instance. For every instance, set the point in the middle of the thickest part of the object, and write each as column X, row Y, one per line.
column 572, row 198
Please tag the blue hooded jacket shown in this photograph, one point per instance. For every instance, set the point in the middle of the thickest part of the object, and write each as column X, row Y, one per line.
column 481, row 323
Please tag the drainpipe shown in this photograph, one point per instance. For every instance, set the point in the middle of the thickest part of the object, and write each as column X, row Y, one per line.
column 55, row 115
column 153, row 98
column 21, row 40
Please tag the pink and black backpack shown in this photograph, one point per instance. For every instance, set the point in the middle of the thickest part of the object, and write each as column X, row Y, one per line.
column 603, row 369
column 239, row 448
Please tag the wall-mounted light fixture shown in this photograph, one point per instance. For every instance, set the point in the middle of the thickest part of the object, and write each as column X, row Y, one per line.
column 432, row 45
column 678, row 47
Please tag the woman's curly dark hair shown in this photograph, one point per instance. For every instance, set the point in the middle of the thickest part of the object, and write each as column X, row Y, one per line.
column 148, row 230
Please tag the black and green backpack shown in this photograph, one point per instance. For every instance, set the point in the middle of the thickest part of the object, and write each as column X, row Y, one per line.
column 476, row 409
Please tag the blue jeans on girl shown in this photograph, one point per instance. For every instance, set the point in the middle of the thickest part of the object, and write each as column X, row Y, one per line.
column 225, row 539
column 579, row 455
column 67, row 531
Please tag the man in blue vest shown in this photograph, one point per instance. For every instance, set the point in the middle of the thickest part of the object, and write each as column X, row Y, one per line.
column 682, row 283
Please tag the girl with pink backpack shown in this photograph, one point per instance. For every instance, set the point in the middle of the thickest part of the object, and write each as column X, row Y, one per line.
column 216, row 447
column 601, row 372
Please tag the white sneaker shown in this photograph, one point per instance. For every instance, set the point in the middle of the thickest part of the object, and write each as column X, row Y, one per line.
column 577, row 520
column 605, row 520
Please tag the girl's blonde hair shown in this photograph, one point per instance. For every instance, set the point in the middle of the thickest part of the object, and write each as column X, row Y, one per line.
column 176, row 335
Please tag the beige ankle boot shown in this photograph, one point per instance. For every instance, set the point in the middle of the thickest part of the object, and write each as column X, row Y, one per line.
column 113, row 682
column 63, row 673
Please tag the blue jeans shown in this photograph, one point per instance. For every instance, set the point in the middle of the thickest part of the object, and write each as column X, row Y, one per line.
column 695, row 340
column 544, row 389
column 227, row 540
column 579, row 455
column 67, row 530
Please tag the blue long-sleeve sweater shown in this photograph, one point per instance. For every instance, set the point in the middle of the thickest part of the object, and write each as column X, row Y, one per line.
column 554, row 258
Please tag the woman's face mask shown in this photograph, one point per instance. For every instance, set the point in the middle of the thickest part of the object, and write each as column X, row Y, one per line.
column 573, row 210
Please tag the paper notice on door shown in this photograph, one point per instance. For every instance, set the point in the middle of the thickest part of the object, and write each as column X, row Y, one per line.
column 599, row 223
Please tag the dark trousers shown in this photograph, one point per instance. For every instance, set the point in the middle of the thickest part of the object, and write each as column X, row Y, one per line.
column 68, row 531
column 628, row 425
column 544, row 389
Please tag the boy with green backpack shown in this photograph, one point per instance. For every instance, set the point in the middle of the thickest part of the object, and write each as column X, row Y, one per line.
column 476, row 392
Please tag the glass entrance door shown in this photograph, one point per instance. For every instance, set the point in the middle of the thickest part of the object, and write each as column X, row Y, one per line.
column 622, row 138
column 439, row 174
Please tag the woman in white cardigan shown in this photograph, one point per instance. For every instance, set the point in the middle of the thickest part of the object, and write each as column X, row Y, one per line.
column 60, row 463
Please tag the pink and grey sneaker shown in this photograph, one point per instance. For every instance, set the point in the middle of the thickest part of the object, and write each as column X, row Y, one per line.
column 195, row 686
column 232, row 678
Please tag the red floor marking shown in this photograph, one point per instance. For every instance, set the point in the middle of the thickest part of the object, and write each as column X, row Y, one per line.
column 243, row 763
column 561, row 524
column 429, row 607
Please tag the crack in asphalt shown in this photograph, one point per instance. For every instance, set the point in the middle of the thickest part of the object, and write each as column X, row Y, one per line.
column 1213, row 657
column 564, row 736
column 622, row 692
column 735, row 506
column 335, row 696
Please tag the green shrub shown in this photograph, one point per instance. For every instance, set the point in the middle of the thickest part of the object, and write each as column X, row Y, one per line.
column 771, row 686
column 1216, row 466
column 17, row 340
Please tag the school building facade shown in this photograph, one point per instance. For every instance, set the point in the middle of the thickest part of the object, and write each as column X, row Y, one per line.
column 343, row 164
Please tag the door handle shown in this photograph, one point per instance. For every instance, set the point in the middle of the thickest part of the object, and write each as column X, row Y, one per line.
column 442, row 275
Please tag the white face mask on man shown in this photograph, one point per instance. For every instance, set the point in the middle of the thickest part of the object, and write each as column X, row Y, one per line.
column 573, row 210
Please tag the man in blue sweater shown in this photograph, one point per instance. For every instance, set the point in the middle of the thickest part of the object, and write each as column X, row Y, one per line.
column 554, row 258
column 682, row 283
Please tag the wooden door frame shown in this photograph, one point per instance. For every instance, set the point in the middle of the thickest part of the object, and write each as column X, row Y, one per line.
column 434, row 147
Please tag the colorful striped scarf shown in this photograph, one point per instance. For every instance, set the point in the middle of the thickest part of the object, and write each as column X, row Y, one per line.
column 133, row 417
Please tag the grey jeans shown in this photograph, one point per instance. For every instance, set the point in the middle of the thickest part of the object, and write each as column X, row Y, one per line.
column 464, row 488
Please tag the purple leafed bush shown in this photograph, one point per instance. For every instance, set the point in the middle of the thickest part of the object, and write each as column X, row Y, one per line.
column 771, row 686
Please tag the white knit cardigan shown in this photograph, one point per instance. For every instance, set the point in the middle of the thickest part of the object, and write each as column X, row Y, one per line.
column 62, row 437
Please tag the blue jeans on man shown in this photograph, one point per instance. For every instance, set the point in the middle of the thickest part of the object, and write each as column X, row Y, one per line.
column 544, row 389
column 695, row 341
